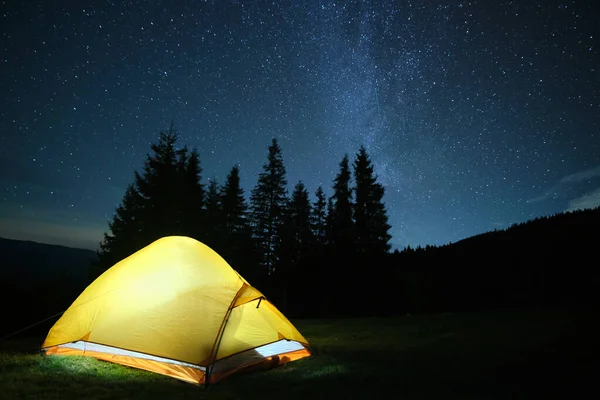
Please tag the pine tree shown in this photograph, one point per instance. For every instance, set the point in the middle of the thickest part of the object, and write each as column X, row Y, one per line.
column 298, row 233
column 319, row 216
column 339, row 274
column 318, row 263
column 296, row 248
column 193, row 195
column 268, row 201
column 213, row 236
column 233, row 203
column 161, row 201
column 370, row 215
column 329, row 222
column 238, row 247
column 158, row 184
column 342, row 226
column 124, row 237
column 372, row 237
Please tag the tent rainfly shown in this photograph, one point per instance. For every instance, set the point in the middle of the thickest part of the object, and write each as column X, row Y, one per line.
column 176, row 308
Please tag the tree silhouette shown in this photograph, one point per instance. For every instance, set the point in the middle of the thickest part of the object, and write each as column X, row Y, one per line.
column 370, row 215
column 342, row 227
column 161, row 202
column 296, row 243
column 238, row 247
column 214, row 224
column 193, row 195
column 316, row 262
column 371, row 237
column 341, row 236
column 160, row 187
column 268, row 201
column 319, row 217
column 124, row 237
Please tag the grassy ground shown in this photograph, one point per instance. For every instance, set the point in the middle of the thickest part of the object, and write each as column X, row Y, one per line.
column 512, row 355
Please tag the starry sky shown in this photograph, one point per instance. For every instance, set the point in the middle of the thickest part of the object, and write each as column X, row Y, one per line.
column 477, row 115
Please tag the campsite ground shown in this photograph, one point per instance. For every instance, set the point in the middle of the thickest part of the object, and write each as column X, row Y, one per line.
column 525, row 354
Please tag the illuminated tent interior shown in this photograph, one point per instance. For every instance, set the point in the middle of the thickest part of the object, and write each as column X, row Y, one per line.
column 176, row 308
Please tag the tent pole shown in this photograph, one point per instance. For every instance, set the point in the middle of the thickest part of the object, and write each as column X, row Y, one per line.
column 217, row 342
column 211, row 365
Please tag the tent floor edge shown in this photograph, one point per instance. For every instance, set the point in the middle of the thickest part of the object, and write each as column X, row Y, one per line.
column 181, row 372
column 255, row 364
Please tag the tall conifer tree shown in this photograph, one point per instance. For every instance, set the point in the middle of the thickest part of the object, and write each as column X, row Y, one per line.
column 342, row 226
column 319, row 216
column 370, row 215
column 212, row 217
column 372, row 237
column 124, row 237
column 298, row 233
column 238, row 248
column 267, row 207
column 233, row 203
column 192, row 195
column 159, row 203
column 296, row 245
column 339, row 274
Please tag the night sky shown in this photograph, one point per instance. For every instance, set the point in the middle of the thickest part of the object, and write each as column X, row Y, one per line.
column 477, row 115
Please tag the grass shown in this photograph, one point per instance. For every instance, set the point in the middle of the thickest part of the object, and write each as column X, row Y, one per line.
column 526, row 354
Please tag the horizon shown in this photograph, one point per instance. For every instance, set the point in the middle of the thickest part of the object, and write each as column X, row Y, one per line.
column 57, row 242
column 476, row 116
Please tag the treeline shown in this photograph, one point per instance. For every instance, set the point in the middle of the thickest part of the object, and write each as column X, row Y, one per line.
column 331, row 257
column 312, row 258
column 546, row 262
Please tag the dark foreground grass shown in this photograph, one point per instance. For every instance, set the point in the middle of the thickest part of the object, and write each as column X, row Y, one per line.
column 508, row 355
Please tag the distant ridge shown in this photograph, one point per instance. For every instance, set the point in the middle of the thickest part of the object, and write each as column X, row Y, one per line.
column 545, row 262
column 39, row 280
column 33, row 242
column 27, row 263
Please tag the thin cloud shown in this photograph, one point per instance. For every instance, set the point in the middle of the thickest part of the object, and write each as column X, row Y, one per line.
column 581, row 176
column 589, row 200
column 573, row 178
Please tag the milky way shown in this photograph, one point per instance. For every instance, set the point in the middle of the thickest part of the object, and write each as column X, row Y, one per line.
column 477, row 115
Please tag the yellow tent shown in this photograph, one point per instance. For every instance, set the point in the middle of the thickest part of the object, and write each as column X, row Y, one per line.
column 176, row 308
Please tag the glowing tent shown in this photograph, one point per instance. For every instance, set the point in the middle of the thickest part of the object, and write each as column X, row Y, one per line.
column 176, row 308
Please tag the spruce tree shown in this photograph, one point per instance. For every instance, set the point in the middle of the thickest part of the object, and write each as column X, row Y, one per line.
column 298, row 233
column 340, row 273
column 233, row 203
column 213, row 235
column 317, row 262
column 159, row 186
column 329, row 222
column 124, row 237
column 267, row 207
column 238, row 247
column 193, row 195
column 319, row 216
column 161, row 201
column 296, row 248
column 370, row 215
column 342, row 226
column 372, row 237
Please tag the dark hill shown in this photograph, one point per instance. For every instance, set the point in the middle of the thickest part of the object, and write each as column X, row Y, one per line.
column 546, row 262
column 38, row 280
